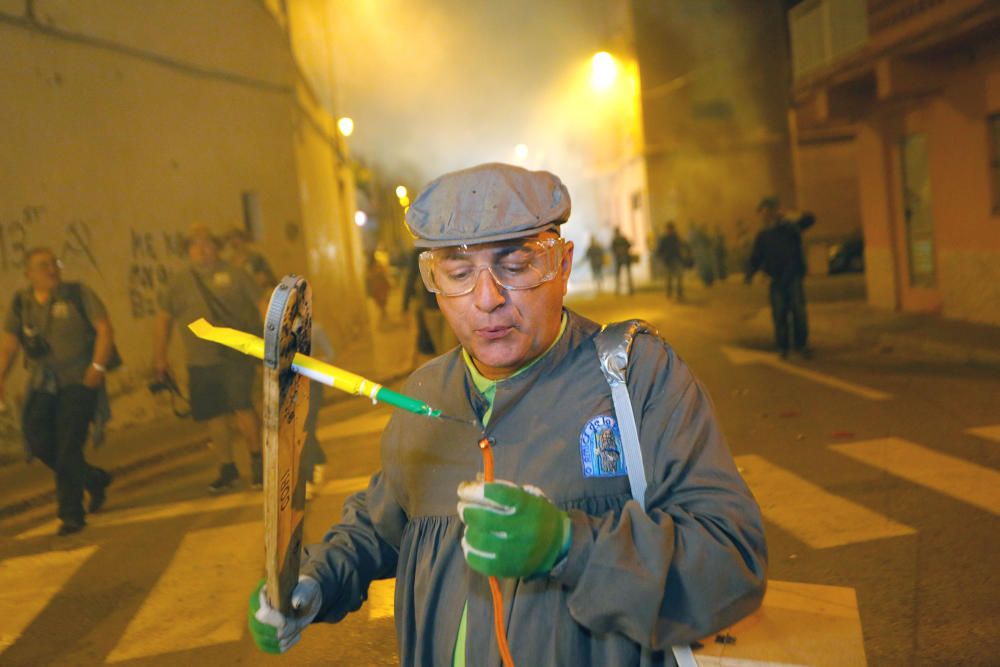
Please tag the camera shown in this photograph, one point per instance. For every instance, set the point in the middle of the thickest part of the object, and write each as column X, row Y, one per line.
column 165, row 384
column 34, row 344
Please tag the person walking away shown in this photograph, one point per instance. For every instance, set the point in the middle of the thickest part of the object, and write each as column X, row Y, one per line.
column 221, row 381
column 701, row 250
column 588, row 576
column 595, row 257
column 377, row 285
column 721, row 254
column 777, row 250
column 670, row 251
column 68, row 342
column 621, row 249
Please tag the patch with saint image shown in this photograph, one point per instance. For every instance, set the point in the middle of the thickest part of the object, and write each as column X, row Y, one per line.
column 601, row 448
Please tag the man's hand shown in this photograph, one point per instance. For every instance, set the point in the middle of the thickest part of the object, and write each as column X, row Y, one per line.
column 274, row 632
column 511, row 531
column 93, row 378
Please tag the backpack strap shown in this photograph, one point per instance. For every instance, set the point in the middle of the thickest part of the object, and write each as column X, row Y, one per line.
column 614, row 344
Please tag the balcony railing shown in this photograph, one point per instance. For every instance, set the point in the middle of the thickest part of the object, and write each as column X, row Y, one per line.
column 883, row 14
column 823, row 31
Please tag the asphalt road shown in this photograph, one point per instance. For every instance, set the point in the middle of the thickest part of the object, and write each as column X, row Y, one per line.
column 866, row 469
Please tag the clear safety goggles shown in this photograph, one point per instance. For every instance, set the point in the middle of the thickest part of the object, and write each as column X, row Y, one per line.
column 518, row 265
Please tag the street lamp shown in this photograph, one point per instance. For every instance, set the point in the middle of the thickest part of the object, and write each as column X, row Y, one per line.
column 521, row 152
column 603, row 71
column 360, row 218
column 346, row 126
column 401, row 191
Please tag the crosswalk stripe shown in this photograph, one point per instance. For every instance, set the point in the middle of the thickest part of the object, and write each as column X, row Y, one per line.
column 179, row 613
column 366, row 424
column 155, row 512
column 28, row 584
column 813, row 515
column 381, row 599
column 986, row 432
column 945, row 474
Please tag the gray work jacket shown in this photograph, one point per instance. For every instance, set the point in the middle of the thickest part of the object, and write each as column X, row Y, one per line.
column 691, row 564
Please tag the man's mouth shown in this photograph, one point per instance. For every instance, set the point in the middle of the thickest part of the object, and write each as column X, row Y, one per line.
column 494, row 332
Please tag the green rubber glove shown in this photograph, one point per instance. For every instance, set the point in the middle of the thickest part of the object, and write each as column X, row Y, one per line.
column 274, row 632
column 511, row 531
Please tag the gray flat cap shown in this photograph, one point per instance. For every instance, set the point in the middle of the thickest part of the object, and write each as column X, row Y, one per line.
column 490, row 202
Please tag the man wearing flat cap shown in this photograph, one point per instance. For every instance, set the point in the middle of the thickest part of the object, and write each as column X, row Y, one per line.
column 588, row 575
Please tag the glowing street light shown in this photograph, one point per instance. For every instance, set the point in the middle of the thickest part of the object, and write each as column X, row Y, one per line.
column 346, row 126
column 603, row 71
column 360, row 218
column 401, row 191
column 521, row 152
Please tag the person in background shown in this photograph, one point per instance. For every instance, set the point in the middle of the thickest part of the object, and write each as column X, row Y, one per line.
column 242, row 254
column 777, row 250
column 595, row 256
column 589, row 576
column 68, row 342
column 621, row 249
column 670, row 250
column 721, row 254
column 377, row 285
column 221, row 381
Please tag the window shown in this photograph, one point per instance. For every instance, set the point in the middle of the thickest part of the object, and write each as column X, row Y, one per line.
column 253, row 219
column 993, row 123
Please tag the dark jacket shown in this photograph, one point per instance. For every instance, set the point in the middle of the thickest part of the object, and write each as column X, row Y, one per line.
column 692, row 563
column 778, row 250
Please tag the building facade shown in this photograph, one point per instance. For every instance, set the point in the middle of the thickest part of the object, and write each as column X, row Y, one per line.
column 905, row 96
column 123, row 123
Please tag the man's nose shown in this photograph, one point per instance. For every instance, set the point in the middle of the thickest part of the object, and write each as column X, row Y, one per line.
column 488, row 293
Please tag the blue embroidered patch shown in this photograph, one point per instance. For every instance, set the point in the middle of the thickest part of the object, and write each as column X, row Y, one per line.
column 601, row 448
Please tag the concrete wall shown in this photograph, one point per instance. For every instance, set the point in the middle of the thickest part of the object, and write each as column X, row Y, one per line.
column 714, row 94
column 966, row 231
column 123, row 122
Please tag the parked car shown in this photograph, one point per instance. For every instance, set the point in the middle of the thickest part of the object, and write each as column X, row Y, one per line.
column 847, row 256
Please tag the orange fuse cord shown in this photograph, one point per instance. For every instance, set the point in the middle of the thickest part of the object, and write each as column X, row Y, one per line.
column 498, row 628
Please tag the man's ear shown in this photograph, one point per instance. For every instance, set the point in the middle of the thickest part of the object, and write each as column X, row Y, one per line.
column 567, row 265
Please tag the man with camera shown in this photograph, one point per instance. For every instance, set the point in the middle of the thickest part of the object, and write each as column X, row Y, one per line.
column 220, row 381
column 68, row 344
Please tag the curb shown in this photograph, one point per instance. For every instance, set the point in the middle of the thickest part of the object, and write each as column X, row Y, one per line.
column 183, row 446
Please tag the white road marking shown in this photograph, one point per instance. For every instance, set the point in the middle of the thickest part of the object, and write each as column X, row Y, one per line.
column 28, row 583
column 987, row 432
column 156, row 512
column 961, row 480
column 178, row 614
column 742, row 356
column 366, row 424
column 810, row 513
column 381, row 599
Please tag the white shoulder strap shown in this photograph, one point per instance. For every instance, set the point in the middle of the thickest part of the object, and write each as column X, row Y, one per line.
column 614, row 343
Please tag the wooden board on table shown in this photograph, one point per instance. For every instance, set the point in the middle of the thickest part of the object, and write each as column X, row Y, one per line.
column 287, row 330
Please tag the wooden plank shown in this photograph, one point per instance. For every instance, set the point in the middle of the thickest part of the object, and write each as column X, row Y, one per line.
column 287, row 330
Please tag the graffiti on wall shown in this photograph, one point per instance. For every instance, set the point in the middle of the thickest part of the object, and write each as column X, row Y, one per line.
column 24, row 231
column 152, row 252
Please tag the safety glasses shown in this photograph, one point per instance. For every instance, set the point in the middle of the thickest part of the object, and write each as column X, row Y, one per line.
column 518, row 265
